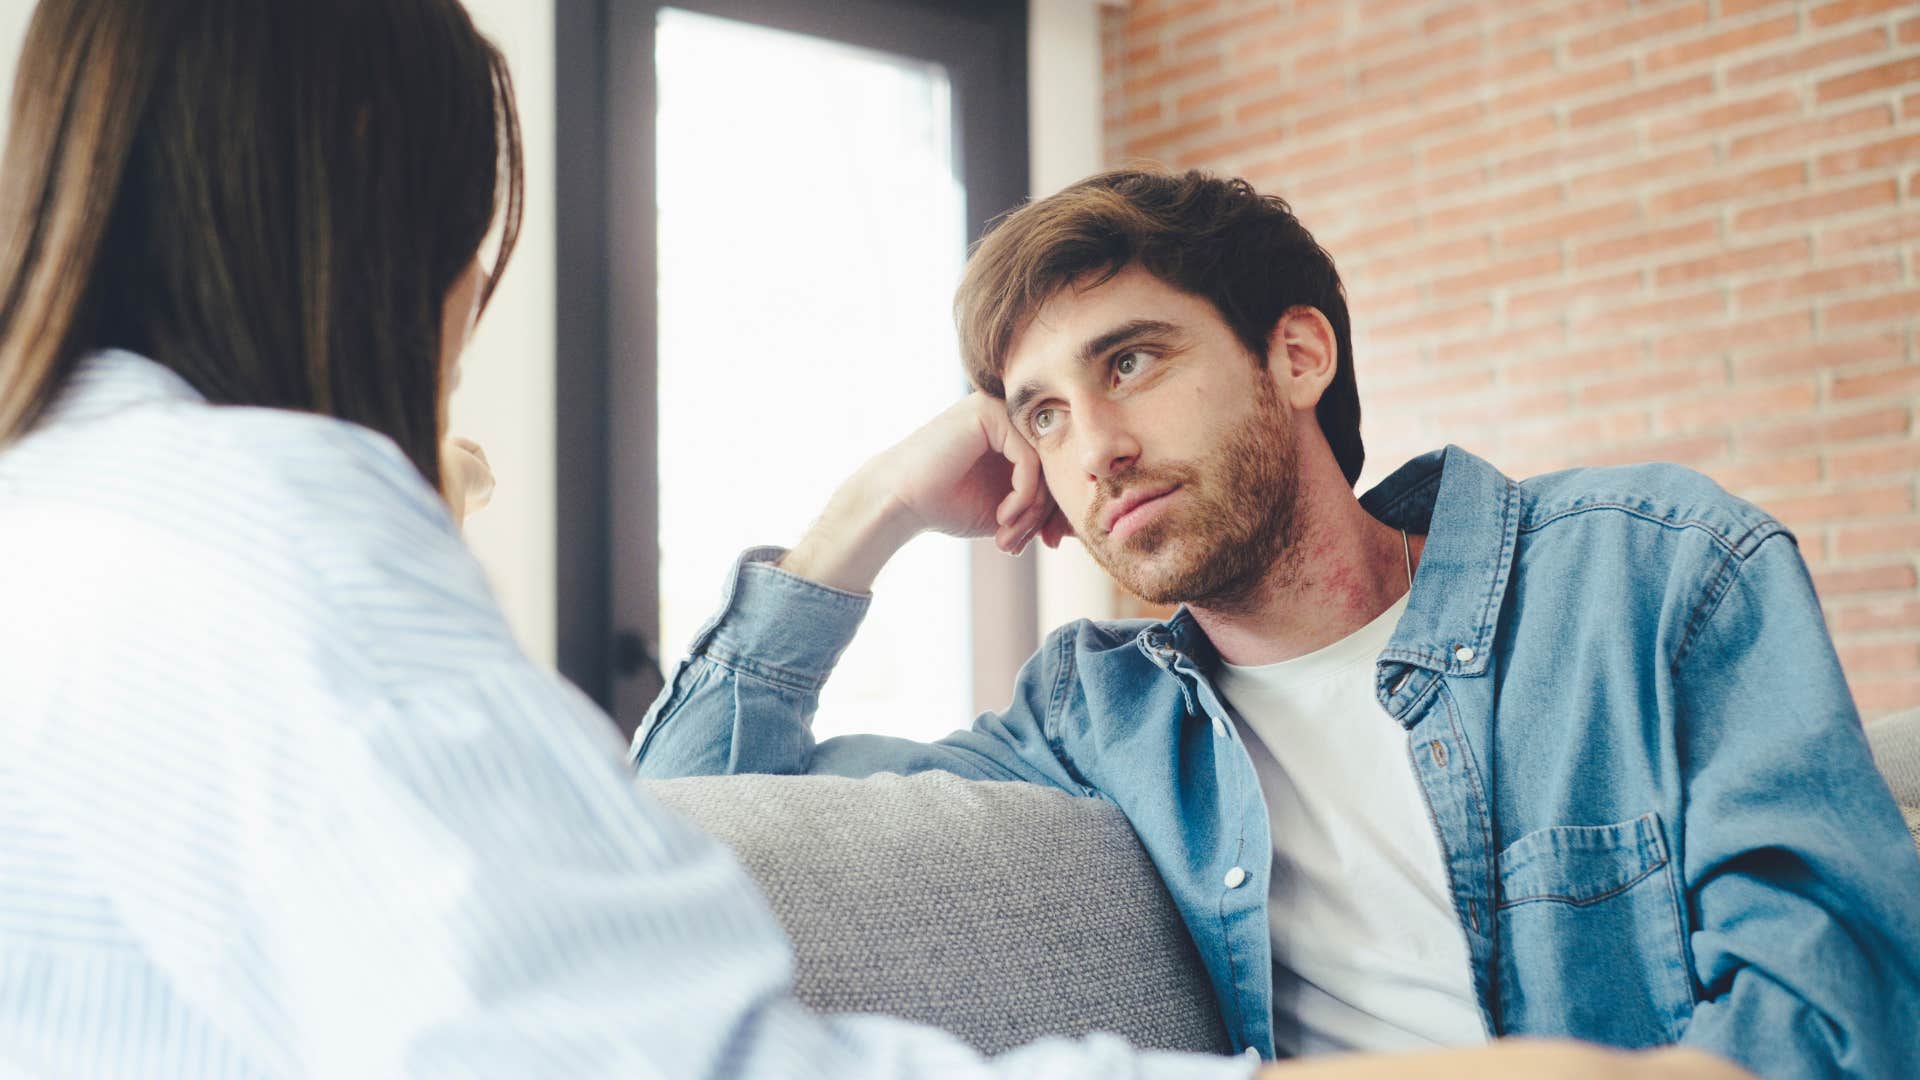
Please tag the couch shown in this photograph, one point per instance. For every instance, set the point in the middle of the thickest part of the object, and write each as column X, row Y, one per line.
column 1000, row 912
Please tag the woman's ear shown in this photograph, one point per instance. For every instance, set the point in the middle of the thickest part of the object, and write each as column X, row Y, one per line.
column 1302, row 356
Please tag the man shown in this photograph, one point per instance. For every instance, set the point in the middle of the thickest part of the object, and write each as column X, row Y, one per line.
column 1461, row 758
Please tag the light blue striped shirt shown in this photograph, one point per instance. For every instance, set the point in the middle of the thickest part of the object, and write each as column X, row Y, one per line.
column 281, row 796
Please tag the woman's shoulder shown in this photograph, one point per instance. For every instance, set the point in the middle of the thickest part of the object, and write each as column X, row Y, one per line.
column 132, row 486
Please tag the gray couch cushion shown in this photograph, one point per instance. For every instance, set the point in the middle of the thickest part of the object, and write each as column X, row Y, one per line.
column 882, row 885
column 1896, row 749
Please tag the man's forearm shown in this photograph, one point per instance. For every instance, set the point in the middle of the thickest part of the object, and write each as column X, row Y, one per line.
column 861, row 528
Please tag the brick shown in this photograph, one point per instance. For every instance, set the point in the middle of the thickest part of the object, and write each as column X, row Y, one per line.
column 1900, row 457
column 1550, row 23
column 1643, row 386
column 1716, row 119
column 1824, row 204
column 1716, row 339
column 1891, row 383
column 1218, row 152
column 1729, row 188
column 1461, row 318
column 1643, row 171
column 1880, row 538
column 1557, row 364
column 1487, row 211
column 1635, row 318
column 1871, row 615
column 1562, row 155
column 1209, row 96
column 1641, row 101
column 1878, row 77
column 1734, row 8
column 1697, row 451
column 1670, row 21
column 1403, row 134
column 1498, row 273
column 1166, row 75
column 1828, row 431
column 1775, row 291
column 1421, row 63
column 1716, row 45
column 1580, row 296
column 1798, row 137
column 1740, row 406
column 1880, row 657
column 1749, row 478
column 1828, row 14
column 1872, row 156
column 1645, row 242
column 1833, row 51
column 1901, row 306
column 1298, row 95
column 1909, row 32
column 1154, row 19
column 1567, row 85
column 1561, row 226
column 1155, row 142
column 1882, row 500
column 1513, row 345
column 1481, row 145
column 1880, row 698
column 1420, row 392
column 1821, row 356
column 1584, row 431
column 1734, row 262
column 1893, row 230
column 1246, row 22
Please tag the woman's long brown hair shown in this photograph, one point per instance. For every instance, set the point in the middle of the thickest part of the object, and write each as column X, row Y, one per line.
column 273, row 199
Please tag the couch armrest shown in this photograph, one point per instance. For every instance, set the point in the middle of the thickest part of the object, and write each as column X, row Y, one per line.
column 1000, row 912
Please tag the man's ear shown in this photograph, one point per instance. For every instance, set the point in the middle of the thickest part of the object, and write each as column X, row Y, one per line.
column 1302, row 356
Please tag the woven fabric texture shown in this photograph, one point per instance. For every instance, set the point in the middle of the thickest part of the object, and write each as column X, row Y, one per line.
column 1000, row 912
column 1896, row 749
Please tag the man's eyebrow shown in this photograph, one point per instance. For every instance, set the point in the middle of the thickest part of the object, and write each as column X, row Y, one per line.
column 1090, row 353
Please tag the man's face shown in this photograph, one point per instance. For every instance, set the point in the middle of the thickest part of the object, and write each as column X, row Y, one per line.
column 1164, row 443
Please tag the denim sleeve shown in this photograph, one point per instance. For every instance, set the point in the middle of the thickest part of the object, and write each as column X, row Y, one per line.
column 1801, row 878
column 743, row 700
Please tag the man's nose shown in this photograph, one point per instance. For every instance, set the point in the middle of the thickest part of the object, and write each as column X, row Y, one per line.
column 1107, row 445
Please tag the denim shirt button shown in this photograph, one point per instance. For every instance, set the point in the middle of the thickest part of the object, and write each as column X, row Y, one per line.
column 1236, row 877
column 1464, row 654
column 1219, row 727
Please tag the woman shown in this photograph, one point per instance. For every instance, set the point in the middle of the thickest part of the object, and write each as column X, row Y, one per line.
column 280, row 794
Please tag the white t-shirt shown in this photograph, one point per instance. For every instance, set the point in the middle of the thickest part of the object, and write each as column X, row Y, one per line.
column 1368, row 953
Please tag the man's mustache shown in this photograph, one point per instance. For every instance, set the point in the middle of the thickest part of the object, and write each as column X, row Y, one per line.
column 1115, row 488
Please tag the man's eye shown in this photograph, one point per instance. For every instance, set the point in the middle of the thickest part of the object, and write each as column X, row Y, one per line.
column 1041, row 420
column 1130, row 363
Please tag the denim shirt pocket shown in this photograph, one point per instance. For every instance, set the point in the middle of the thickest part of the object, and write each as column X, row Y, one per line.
column 1594, row 946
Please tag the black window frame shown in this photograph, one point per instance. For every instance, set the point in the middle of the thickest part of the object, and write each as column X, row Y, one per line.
column 607, row 535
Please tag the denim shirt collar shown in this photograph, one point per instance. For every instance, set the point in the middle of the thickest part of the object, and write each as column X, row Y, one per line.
column 1470, row 515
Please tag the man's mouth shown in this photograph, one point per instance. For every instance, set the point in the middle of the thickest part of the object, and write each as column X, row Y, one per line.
column 1127, row 516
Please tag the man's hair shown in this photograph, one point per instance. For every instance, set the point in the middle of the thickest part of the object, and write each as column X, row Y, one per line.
column 1217, row 239
column 273, row 198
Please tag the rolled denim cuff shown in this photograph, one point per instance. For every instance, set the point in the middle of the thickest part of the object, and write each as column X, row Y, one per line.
column 780, row 626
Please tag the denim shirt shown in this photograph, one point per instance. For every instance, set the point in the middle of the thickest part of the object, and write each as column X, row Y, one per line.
column 1654, row 800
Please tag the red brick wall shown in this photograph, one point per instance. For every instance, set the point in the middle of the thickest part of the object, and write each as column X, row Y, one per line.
column 1587, row 231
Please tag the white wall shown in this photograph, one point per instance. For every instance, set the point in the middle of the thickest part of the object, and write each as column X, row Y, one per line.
column 505, row 400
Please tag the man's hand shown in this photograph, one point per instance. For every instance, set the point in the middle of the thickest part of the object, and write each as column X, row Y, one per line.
column 466, row 476
column 966, row 473
column 1520, row 1059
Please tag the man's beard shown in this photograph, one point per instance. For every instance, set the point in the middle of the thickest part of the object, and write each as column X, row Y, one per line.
column 1234, row 537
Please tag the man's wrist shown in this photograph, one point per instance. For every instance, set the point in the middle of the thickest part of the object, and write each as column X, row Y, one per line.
column 861, row 528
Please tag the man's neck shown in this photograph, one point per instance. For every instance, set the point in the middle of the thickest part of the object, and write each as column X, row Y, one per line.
column 1344, row 569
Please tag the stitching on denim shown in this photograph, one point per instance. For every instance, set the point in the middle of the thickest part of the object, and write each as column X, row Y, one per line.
column 1674, row 900
column 1505, row 568
column 1064, row 669
column 1707, row 527
column 772, row 674
column 1541, row 898
column 1713, row 596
